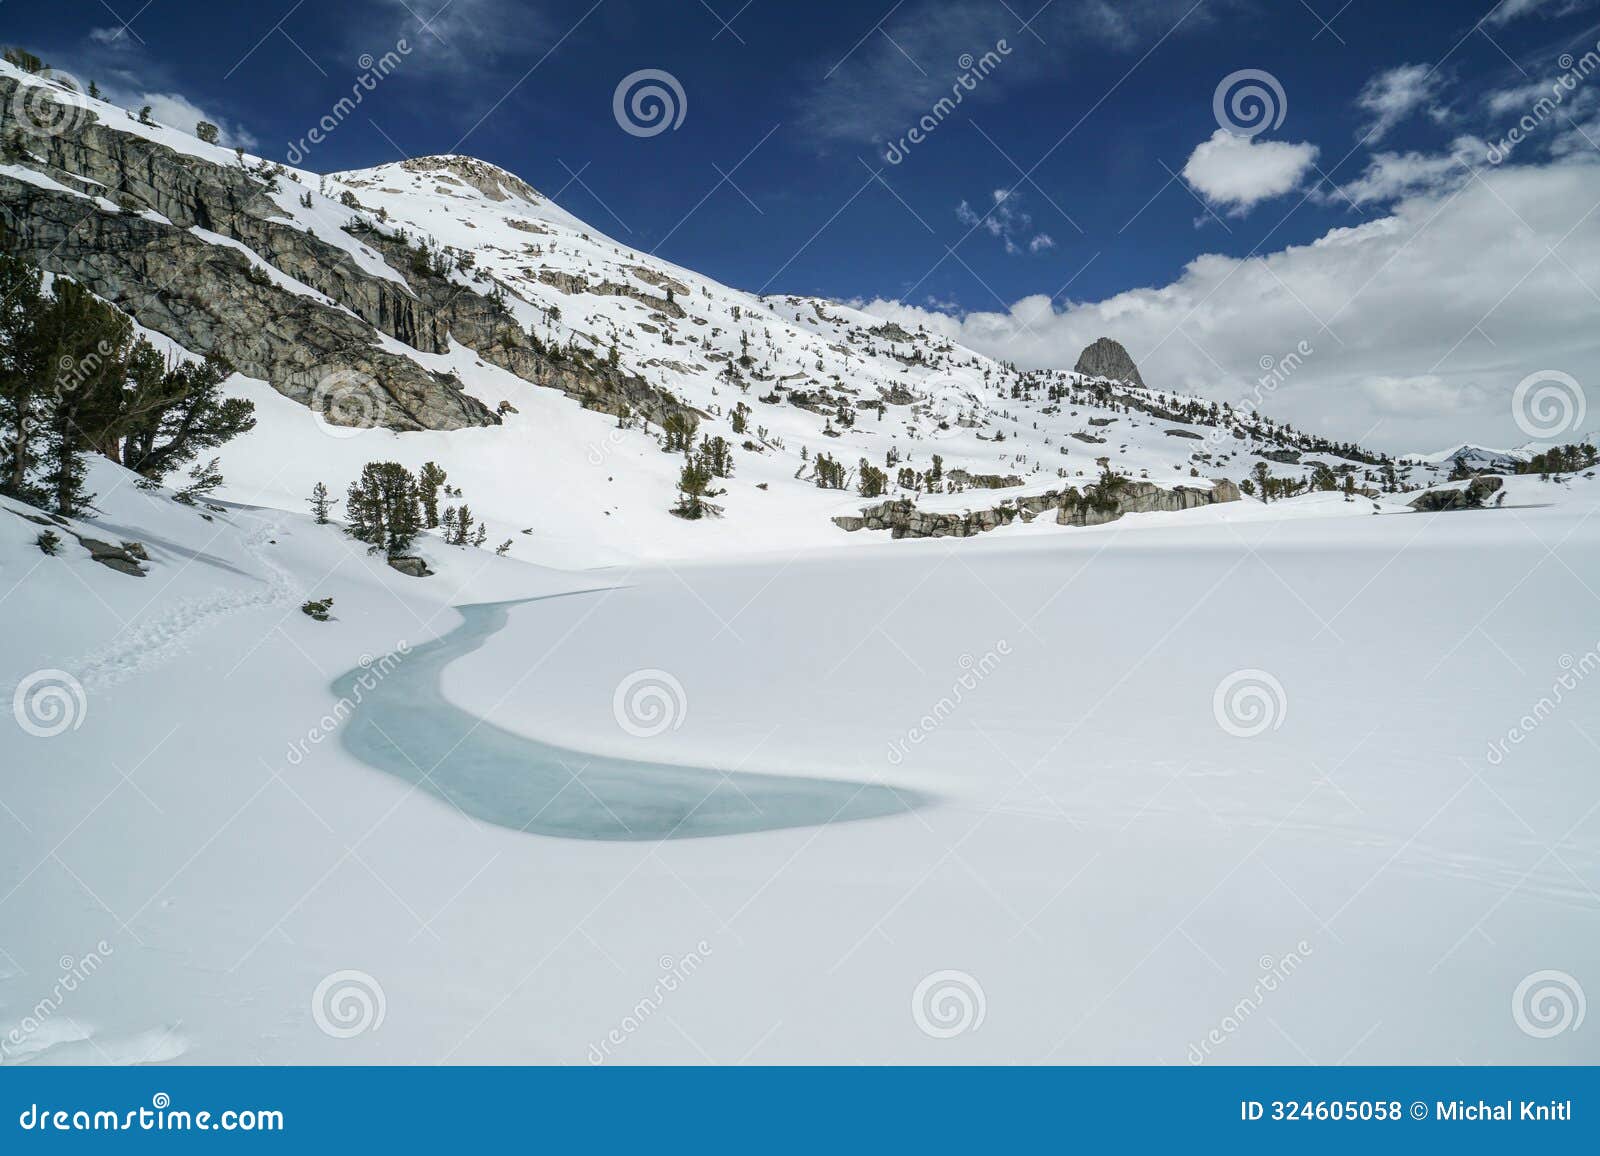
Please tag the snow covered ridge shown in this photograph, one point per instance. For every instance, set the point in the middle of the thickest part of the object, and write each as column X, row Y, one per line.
column 446, row 300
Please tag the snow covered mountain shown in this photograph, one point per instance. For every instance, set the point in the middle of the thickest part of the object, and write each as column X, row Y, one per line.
column 1108, row 781
column 1470, row 458
column 441, row 309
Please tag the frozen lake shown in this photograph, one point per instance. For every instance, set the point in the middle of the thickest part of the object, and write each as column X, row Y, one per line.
column 403, row 726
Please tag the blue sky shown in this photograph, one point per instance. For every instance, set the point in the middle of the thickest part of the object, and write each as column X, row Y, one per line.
column 1087, row 163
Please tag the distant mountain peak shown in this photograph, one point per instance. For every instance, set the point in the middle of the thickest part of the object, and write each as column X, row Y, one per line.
column 1106, row 358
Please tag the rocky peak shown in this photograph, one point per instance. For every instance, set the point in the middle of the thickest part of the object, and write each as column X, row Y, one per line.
column 1106, row 358
column 490, row 180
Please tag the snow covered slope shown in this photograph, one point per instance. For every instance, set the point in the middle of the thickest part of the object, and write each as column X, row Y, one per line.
column 1148, row 766
column 418, row 260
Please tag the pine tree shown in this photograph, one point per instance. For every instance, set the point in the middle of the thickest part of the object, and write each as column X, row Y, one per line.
column 716, row 457
column 202, row 480
column 172, row 412
column 22, row 360
column 73, row 380
column 873, row 480
column 429, row 479
column 679, row 429
column 381, row 508
column 320, row 503
column 463, row 525
column 693, row 482
column 88, row 344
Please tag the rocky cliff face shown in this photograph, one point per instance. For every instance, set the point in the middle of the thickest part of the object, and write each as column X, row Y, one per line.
column 1073, row 507
column 1106, row 358
column 207, row 299
column 117, row 212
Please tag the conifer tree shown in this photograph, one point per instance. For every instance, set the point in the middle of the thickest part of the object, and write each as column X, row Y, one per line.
column 429, row 479
column 320, row 503
column 693, row 482
column 381, row 508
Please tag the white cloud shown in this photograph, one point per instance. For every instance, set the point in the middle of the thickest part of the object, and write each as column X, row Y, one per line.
column 128, row 76
column 1508, row 10
column 462, row 39
column 177, row 111
column 115, row 37
column 1238, row 172
column 1421, row 322
column 1516, row 99
column 1424, row 395
column 1393, row 96
column 1006, row 221
column 1390, row 176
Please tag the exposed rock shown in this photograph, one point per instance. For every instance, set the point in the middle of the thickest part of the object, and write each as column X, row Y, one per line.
column 961, row 477
column 571, row 283
column 1185, row 433
column 1090, row 508
column 1282, row 457
column 892, row 331
column 1106, row 358
column 490, row 180
column 658, row 279
column 211, row 298
column 903, row 519
column 1469, row 497
column 410, row 565
column 124, row 558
